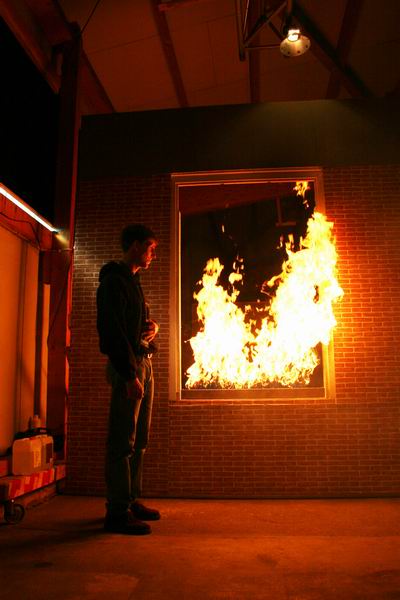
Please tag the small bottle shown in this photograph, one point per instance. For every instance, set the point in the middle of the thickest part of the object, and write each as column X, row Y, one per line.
column 35, row 422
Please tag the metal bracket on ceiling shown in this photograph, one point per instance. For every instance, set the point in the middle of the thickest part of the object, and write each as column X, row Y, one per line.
column 246, row 34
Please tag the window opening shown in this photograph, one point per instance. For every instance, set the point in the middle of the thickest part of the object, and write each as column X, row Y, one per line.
column 250, row 227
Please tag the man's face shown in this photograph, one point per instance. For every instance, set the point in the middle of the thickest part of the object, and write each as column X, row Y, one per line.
column 146, row 252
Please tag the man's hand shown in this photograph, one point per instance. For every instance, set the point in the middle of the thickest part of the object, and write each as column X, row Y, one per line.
column 134, row 389
column 151, row 330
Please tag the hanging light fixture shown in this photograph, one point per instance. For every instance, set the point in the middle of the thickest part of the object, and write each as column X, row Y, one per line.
column 294, row 44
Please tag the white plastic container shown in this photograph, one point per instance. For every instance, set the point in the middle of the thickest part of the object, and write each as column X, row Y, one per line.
column 47, row 451
column 32, row 454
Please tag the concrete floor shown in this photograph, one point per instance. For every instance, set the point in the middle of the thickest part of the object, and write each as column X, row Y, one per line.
column 207, row 549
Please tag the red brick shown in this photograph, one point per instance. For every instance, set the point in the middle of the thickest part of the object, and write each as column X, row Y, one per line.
column 253, row 448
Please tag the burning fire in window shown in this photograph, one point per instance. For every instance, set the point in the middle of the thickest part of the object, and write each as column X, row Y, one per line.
column 276, row 341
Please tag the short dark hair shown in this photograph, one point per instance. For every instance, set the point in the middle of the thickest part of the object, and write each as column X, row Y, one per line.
column 133, row 233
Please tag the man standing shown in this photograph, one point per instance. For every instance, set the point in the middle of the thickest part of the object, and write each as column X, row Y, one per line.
column 126, row 335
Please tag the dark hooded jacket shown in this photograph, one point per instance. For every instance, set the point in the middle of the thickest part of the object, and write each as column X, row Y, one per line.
column 121, row 315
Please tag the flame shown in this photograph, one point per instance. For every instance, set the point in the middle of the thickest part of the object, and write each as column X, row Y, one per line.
column 233, row 350
column 301, row 187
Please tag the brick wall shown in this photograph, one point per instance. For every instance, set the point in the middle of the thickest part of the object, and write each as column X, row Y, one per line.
column 104, row 208
column 252, row 448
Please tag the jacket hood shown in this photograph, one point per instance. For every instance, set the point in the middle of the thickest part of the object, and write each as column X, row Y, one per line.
column 115, row 268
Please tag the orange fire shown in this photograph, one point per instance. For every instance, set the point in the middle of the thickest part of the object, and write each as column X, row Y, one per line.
column 235, row 350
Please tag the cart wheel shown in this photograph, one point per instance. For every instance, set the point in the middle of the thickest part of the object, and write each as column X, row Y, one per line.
column 13, row 513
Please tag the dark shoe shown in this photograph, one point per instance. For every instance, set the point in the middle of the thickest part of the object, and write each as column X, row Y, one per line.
column 126, row 524
column 140, row 511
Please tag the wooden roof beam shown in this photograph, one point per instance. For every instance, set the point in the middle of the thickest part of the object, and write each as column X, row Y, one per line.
column 41, row 28
column 169, row 53
column 254, row 9
column 326, row 54
column 345, row 40
column 92, row 91
column 24, row 25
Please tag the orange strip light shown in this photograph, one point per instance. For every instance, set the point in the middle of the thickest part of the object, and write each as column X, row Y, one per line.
column 25, row 207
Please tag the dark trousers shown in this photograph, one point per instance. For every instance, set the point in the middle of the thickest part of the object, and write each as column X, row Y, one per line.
column 128, row 435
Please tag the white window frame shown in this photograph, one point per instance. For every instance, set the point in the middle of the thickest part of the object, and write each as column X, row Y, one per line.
column 243, row 176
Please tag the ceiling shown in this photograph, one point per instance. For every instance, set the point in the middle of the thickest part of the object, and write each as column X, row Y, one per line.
column 185, row 52
column 155, row 54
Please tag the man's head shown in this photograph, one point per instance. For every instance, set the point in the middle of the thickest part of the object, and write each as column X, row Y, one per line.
column 138, row 245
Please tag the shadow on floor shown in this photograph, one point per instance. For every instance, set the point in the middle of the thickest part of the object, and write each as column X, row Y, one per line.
column 207, row 549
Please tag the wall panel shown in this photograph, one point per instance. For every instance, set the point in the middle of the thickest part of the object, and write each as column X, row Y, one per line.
column 19, row 281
